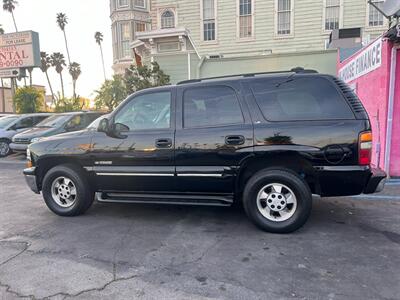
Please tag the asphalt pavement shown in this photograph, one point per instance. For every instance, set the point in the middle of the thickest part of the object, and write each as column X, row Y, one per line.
column 349, row 249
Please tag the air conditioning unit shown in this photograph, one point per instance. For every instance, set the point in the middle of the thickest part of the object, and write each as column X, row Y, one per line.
column 345, row 38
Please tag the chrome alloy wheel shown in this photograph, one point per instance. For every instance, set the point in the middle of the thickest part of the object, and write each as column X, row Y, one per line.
column 276, row 202
column 63, row 191
column 4, row 148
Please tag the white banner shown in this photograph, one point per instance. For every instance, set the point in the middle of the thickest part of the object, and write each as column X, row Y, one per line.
column 366, row 61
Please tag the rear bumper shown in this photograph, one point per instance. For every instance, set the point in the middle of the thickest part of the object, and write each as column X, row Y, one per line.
column 30, row 178
column 19, row 147
column 376, row 183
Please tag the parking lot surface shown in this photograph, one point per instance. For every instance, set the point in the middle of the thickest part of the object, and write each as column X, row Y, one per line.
column 349, row 249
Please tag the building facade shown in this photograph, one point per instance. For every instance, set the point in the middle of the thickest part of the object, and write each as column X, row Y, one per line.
column 198, row 38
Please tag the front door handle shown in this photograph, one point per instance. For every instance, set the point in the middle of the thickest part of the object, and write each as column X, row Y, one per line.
column 164, row 143
column 234, row 140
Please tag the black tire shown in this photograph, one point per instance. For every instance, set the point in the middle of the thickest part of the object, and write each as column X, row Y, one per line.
column 7, row 143
column 292, row 181
column 84, row 194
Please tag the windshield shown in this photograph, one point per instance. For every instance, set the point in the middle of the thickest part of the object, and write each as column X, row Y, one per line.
column 54, row 121
column 4, row 122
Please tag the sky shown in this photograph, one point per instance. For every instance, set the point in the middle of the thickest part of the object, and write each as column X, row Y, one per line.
column 85, row 17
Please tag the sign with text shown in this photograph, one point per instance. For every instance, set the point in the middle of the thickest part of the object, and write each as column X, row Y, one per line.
column 366, row 61
column 19, row 50
column 9, row 73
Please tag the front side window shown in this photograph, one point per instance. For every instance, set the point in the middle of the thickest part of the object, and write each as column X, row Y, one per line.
column 24, row 123
column 245, row 18
column 375, row 18
column 208, row 20
column 150, row 111
column 284, row 17
column 332, row 14
column 76, row 123
column 7, row 121
column 125, row 40
column 300, row 99
column 167, row 19
column 211, row 106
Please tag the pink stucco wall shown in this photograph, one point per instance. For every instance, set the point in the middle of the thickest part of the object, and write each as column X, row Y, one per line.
column 373, row 90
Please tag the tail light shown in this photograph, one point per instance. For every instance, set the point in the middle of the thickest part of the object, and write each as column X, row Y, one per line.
column 365, row 148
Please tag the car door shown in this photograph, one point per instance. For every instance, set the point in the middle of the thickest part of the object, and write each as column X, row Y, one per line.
column 214, row 135
column 142, row 160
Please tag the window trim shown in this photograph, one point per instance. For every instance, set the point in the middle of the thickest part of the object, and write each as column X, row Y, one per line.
column 253, row 8
column 283, row 36
column 371, row 28
column 161, row 11
column 328, row 31
column 215, row 41
column 210, row 126
column 145, row 93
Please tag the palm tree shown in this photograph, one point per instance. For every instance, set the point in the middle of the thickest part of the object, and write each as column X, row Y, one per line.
column 62, row 21
column 46, row 63
column 75, row 71
column 9, row 5
column 99, row 39
column 58, row 61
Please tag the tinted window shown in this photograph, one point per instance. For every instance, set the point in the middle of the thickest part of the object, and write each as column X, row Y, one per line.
column 6, row 121
column 211, row 106
column 39, row 119
column 54, row 121
column 300, row 99
column 150, row 111
column 24, row 123
column 76, row 123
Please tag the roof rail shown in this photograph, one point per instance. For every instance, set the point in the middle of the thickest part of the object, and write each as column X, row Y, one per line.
column 293, row 70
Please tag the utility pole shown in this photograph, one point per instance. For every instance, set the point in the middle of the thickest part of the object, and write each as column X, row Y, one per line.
column 13, row 93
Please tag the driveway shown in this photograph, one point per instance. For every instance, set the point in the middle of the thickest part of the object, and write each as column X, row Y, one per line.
column 349, row 249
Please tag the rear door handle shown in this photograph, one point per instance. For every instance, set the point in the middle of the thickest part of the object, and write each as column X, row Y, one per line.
column 164, row 143
column 234, row 140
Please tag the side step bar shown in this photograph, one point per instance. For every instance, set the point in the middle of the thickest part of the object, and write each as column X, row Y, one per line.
column 174, row 199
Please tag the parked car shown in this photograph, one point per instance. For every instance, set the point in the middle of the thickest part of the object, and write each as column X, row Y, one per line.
column 14, row 124
column 56, row 124
column 267, row 141
column 5, row 115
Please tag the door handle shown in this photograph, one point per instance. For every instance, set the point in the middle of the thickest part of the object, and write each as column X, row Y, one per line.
column 234, row 140
column 164, row 143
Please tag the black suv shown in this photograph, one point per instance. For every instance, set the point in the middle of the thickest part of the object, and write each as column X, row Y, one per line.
column 268, row 141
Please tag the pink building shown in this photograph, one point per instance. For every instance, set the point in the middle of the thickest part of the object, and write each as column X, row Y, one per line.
column 374, row 74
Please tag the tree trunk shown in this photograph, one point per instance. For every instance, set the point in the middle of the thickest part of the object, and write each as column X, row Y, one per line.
column 66, row 46
column 30, row 77
column 53, row 100
column 62, row 86
column 15, row 24
column 74, row 88
column 3, row 96
column 102, row 60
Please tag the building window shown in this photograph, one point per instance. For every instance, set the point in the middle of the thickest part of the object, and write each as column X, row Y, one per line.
column 125, row 40
column 245, row 18
column 332, row 14
column 284, row 17
column 375, row 18
column 123, row 3
column 140, row 3
column 208, row 20
column 140, row 27
column 167, row 19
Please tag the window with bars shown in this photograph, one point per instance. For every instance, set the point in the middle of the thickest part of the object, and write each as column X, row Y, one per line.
column 140, row 27
column 125, row 32
column 284, row 12
column 375, row 18
column 208, row 20
column 245, row 18
column 332, row 14
column 140, row 3
column 168, row 19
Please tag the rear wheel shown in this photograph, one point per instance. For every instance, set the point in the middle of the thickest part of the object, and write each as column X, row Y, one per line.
column 66, row 191
column 4, row 148
column 277, row 200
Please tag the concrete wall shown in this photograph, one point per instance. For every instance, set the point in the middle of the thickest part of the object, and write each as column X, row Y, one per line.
column 6, row 102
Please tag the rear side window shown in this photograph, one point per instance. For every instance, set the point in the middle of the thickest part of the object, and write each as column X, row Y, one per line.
column 300, row 99
column 211, row 106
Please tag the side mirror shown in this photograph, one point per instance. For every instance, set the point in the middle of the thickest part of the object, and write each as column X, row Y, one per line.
column 103, row 126
column 119, row 129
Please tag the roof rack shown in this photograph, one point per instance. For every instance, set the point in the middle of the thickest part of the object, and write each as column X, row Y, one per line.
column 297, row 70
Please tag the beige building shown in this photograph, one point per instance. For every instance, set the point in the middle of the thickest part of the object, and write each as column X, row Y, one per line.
column 200, row 38
column 5, row 100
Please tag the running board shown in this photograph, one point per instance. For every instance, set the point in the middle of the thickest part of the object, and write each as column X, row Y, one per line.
column 174, row 199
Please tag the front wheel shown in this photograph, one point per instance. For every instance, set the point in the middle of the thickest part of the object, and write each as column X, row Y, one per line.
column 277, row 200
column 4, row 148
column 66, row 191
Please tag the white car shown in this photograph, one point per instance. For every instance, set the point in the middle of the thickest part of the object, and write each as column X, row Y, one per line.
column 13, row 124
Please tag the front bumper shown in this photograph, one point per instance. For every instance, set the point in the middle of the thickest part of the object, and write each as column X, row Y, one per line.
column 19, row 147
column 376, row 182
column 30, row 178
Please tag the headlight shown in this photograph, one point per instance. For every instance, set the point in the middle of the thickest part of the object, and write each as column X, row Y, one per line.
column 36, row 140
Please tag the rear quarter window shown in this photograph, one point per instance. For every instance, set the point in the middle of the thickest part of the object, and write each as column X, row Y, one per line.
column 300, row 99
